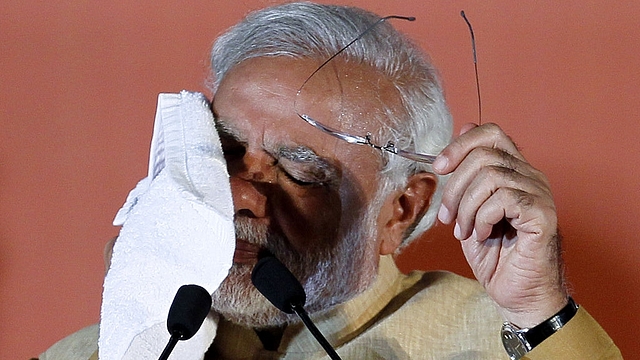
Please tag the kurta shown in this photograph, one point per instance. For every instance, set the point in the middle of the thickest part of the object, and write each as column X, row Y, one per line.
column 422, row 315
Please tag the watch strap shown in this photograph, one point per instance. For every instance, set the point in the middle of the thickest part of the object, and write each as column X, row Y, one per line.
column 542, row 331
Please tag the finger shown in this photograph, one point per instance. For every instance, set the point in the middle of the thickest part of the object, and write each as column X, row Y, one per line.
column 466, row 127
column 469, row 170
column 528, row 213
column 484, row 185
column 487, row 135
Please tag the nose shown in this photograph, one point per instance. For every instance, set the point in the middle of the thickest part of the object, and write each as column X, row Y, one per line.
column 248, row 199
column 249, row 185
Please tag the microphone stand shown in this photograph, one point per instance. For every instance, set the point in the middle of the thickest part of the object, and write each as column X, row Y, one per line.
column 175, row 337
column 285, row 292
column 302, row 313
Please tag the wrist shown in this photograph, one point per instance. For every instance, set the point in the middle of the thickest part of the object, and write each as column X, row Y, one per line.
column 536, row 312
column 519, row 341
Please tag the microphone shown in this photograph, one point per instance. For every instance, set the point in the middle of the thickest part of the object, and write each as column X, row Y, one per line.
column 285, row 292
column 188, row 310
column 278, row 284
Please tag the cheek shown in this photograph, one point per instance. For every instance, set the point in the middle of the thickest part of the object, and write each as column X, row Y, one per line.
column 310, row 219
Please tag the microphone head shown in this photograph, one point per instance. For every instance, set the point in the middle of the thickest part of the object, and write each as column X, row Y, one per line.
column 188, row 310
column 278, row 284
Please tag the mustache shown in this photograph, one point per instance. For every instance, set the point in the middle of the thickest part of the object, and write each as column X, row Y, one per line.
column 252, row 231
column 257, row 233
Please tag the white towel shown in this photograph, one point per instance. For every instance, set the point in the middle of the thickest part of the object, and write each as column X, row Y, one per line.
column 177, row 229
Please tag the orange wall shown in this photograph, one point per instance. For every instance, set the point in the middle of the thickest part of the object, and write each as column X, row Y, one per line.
column 79, row 81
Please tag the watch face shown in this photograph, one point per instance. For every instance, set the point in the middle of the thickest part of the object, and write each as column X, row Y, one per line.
column 514, row 346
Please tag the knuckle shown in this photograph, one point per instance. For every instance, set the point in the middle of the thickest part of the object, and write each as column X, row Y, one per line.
column 499, row 138
column 503, row 174
column 507, row 160
column 524, row 199
column 480, row 155
column 544, row 180
column 494, row 130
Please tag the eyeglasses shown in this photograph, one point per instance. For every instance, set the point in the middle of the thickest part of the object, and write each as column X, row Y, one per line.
column 367, row 139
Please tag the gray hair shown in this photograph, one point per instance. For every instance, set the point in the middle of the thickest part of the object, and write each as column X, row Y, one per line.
column 307, row 30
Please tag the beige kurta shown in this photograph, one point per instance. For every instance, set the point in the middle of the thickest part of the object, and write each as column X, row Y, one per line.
column 423, row 315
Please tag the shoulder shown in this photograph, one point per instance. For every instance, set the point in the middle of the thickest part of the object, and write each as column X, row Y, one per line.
column 80, row 345
column 446, row 303
column 439, row 315
column 446, row 289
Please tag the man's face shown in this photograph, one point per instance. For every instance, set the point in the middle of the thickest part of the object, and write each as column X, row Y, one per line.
column 298, row 193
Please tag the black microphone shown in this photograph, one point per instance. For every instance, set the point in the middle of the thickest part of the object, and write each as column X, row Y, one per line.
column 188, row 310
column 285, row 292
column 278, row 284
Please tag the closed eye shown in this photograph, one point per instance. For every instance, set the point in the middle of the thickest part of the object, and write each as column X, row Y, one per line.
column 304, row 168
column 301, row 182
column 306, row 174
column 231, row 148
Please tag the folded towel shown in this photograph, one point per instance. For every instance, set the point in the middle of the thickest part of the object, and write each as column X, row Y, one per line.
column 177, row 229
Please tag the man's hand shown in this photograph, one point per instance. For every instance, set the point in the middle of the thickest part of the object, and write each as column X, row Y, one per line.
column 506, row 220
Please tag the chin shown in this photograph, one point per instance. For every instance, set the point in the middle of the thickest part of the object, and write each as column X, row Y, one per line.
column 239, row 302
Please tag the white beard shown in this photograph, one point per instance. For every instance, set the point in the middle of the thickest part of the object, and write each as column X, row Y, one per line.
column 329, row 277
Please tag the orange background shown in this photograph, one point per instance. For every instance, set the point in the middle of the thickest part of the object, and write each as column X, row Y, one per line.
column 78, row 88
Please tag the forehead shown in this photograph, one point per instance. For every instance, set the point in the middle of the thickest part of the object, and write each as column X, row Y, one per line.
column 258, row 101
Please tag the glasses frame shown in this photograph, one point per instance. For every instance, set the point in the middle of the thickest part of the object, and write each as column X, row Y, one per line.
column 367, row 139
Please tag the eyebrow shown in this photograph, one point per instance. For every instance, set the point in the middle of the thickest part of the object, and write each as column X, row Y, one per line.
column 225, row 131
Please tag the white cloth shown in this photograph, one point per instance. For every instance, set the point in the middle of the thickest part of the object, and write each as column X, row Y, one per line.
column 177, row 229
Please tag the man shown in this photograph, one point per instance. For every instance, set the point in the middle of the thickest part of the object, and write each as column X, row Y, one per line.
column 334, row 212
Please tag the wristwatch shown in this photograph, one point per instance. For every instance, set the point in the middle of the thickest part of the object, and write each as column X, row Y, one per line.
column 517, row 342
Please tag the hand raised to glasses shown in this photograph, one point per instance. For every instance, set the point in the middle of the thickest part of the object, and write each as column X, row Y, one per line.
column 506, row 220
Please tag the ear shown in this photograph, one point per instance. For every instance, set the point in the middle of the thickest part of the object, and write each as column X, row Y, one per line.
column 403, row 209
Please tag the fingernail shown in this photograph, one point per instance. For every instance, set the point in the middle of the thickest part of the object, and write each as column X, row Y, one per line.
column 444, row 215
column 457, row 232
column 440, row 163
